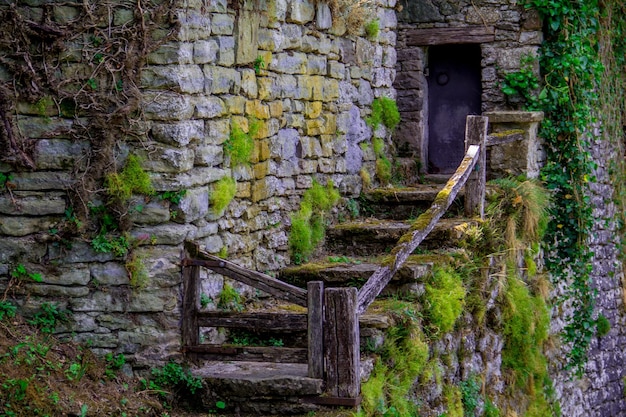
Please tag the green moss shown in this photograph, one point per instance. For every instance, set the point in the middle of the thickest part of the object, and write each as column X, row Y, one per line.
column 385, row 111
column 229, row 298
column 308, row 225
column 454, row 402
column 137, row 272
column 444, row 300
column 526, row 322
column 603, row 326
column 131, row 180
column 366, row 178
column 372, row 29
column 222, row 194
column 240, row 145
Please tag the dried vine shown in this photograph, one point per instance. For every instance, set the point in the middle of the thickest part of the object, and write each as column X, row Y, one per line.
column 85, row 67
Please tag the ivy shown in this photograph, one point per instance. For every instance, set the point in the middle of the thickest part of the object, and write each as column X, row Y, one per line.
column 572, row 71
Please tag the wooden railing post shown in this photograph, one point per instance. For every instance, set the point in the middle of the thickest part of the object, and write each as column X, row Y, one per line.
column 341, row 342
column 476, row 134
column 315, row 332
column 191, row 281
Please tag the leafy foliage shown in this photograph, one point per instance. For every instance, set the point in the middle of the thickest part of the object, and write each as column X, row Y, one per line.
column 49, row 317
column 222, row 194
column 173, row 376
column 7, row 310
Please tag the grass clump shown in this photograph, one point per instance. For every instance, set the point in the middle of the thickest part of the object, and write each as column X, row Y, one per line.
column 229, row 298
column 603, row 326
column 384, row 111
column 383, row 164
column 444, row 300
column 131, row 180
column 308, row 225
column 372, row 29
column 453, row 400
column 240, row 144
column 222, row 194
column 137, row 272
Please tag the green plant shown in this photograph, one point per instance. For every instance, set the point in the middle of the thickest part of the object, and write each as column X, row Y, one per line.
column 444, row 299
column 5, row 181
column 20, row 273
column 308, row 224
column 258, row 64
column 137, row 272
column 75, row 371
column 383, row 164
column 453, row 400
column 104, row 243
column 470, row 394
column 353, row 207
column 7, row 309
column 205, row 300
column 372, row 28
column 222, row 194
column 603, row 326
column 173, row 376
column 229, row 298
column 173, row 197
column 490, row 409
column 49, row 317
column 240, row 145
column 132, row 179
column 385, row 111
column 524, row 82
column 113, row 364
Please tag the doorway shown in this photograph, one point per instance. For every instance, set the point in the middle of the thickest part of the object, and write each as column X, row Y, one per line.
column 454, row 91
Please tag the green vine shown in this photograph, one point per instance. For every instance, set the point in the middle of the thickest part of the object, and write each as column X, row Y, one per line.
column 572, row 70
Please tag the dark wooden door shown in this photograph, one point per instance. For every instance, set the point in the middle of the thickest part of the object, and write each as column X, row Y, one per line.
column 454, row 91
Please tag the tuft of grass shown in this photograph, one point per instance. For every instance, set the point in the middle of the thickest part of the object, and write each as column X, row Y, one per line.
column 372, row 29
column 603, row 326
column 229, row 298
column 444, row 300
column 137, row 272
column 222, row 194
column 308, row 225
column 131, row 180
column 384, row 111
column 240, row 144
column 453, row 400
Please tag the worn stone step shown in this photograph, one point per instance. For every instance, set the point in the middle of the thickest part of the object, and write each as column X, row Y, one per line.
column 258, row 388
column 371, row 237
column 404, row 202
column 354, row 271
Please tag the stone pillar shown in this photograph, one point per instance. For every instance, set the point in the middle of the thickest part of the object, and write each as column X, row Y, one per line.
column 520, row 156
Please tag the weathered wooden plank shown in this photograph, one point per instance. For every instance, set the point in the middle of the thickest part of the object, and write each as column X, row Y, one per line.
column 253, row 321
column 476, row 134
column 315, row 335
column 249, row 353
column 189, row 322
column 441, row 36
column 424, row 224
column 341, row 342
column 255, row 279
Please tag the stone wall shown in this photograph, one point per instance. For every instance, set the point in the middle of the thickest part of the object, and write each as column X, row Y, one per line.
column 516, row 34
column 288, row 65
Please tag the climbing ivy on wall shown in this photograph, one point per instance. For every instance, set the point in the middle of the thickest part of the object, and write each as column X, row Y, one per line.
column 572, row 70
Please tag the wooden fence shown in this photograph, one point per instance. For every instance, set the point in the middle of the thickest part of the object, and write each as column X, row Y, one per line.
column 332, row 318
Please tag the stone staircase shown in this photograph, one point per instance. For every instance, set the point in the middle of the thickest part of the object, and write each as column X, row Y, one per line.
column 275, row 380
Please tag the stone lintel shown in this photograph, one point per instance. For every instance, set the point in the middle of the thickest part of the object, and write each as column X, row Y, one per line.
column 512, row 116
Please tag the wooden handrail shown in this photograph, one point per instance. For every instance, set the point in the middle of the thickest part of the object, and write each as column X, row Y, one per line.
column 420, row 229
column 255, row 279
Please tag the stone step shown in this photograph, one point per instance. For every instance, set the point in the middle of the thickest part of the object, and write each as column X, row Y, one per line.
column 258, row 388
column 372, row 237
column 404, row 202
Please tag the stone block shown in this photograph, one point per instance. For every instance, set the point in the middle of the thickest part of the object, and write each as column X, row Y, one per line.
column 181, row 78
column 220, row 80
column 222, row 24
column 283, row 146
column 194, row 205
column 167, row 106
column 310, row 147
column 217, row 131
column 66, row 14
column 257, row 109
column 152, row 212
column 179, row 133
column 205, row 51
column 248, row 83
column 226, row 56
column 289, row 63
column 291, row 36
column 312, row 109
column 167, row 159
column 109, row 273
column 209, row 155
column 166, row 234
column 301, row 11
column 330, row 91
column 336, row 70
column 316, row 65
column 246, row 36
column 323, row 16
column 196, row 177
column 194, row 25
column 270, row 39
column 172, row 53
column 40, row 127
column 276, row 109
column 209, row 107
column 286, row 86
column 29, row 203
column 261, row 170
column 26, row 249
column 244, row 190
column 42, row 180
column 267, row 88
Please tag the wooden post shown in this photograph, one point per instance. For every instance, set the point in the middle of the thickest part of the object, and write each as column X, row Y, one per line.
column 341, row 342
column 315, row 332
column 476, row 134
column 191, row 281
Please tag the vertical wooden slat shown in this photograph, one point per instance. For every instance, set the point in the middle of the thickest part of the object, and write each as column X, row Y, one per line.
column 191, row 281
column 476, row 134
column 341, row 342
column 315, row 334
